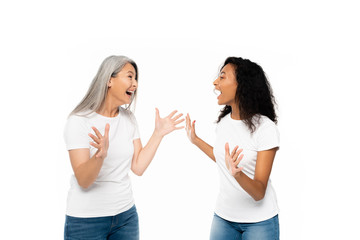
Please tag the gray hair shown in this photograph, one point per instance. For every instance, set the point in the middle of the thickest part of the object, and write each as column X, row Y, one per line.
column 96, row 94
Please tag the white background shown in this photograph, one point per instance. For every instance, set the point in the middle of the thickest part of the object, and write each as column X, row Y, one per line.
column 51, row 50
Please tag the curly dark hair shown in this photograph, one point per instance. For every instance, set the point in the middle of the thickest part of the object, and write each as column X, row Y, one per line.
column 253, row 94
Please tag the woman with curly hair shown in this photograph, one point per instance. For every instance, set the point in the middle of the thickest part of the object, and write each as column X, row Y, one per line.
column 246, row 206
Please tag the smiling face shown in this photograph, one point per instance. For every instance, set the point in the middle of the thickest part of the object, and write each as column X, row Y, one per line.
column 122, row 87
column 226, row 83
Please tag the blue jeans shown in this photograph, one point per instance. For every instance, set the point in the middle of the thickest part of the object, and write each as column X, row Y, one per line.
column 124, row 226
column 222, row 229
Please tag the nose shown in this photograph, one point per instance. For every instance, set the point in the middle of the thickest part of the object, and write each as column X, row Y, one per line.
column 134, row 83
column 216, row 82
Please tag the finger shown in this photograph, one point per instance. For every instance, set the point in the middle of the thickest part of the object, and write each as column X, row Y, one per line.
column 157, row 114
column 234, row 151
column 98, row 134
column 187, row 121
column 177, row 128
column 177, row 117
column 236, row 155
column 179, row 121
column 99, row 154
column 95, row 145
column 193, row 126
column 227, row 148
column 172, row 114
column 107, row 128
column 238, row 160
column 94, row 138
column 189, row 126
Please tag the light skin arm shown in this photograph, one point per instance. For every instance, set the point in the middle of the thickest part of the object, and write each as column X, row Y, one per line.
column 256, row 187
column 194, row 139
column 144, row 155
column 86, row 169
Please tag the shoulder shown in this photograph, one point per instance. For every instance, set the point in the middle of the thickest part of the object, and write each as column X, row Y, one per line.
column 266, row 135
column 77, row 122
column 76, row 128
column 262, row 121
column 78, row 118
column 265, row 126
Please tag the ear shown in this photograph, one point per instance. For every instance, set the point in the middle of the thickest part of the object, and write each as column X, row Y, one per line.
column 109, row 83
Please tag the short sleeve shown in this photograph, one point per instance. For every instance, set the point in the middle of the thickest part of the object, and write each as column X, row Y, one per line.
column 267, row 137
column 136, row 133
column 76, row 133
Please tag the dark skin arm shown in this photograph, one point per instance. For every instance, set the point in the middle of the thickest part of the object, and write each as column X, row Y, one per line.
column 194, row 139
column 256, row 187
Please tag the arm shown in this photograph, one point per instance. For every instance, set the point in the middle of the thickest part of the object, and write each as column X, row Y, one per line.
column 86, row 169
column 144, row 155
column 256, row 187
column 194, row 139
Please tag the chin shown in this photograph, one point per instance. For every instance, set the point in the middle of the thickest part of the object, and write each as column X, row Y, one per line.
column 125, row 103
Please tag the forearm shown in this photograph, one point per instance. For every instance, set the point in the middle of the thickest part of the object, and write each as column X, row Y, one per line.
column 87, row 172
column 256, row 189
column 146, row 154
column 206, row 148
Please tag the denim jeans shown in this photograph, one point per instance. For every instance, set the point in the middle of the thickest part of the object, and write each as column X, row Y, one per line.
column 124, row 226
column 222, row 229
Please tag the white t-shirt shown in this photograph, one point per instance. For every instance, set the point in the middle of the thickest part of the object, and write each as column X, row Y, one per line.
column 111, row 193
column 233, row 202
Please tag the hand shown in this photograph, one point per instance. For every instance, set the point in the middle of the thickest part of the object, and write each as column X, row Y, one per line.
column 233, row 159
column 164, row 126
column 190, row 129
column 100, row 142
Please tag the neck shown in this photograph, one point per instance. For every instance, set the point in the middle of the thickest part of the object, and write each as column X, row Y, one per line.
column 109, row 108
column 235, row 112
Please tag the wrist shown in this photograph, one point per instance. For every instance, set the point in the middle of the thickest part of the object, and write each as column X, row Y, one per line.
column 237, row 175
column 196, row 141
column 157, row 134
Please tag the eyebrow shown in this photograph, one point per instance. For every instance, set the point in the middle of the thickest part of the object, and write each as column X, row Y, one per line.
column 131, row 72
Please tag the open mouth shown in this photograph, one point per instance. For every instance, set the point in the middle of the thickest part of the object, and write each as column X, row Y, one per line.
column 217, row 92
column 130, row 93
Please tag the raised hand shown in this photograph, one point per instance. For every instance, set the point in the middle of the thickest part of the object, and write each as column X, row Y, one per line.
column 164, row 126
column 232, row 160
column 100, row 142
column 190, row 129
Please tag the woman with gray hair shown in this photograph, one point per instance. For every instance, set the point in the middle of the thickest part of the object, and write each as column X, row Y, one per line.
column 103, row 141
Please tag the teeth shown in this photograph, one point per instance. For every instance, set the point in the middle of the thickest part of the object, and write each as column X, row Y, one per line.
column 217, row 92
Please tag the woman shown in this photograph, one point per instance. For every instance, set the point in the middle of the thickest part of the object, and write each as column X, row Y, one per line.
column 246, row 207
column 104, row 144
